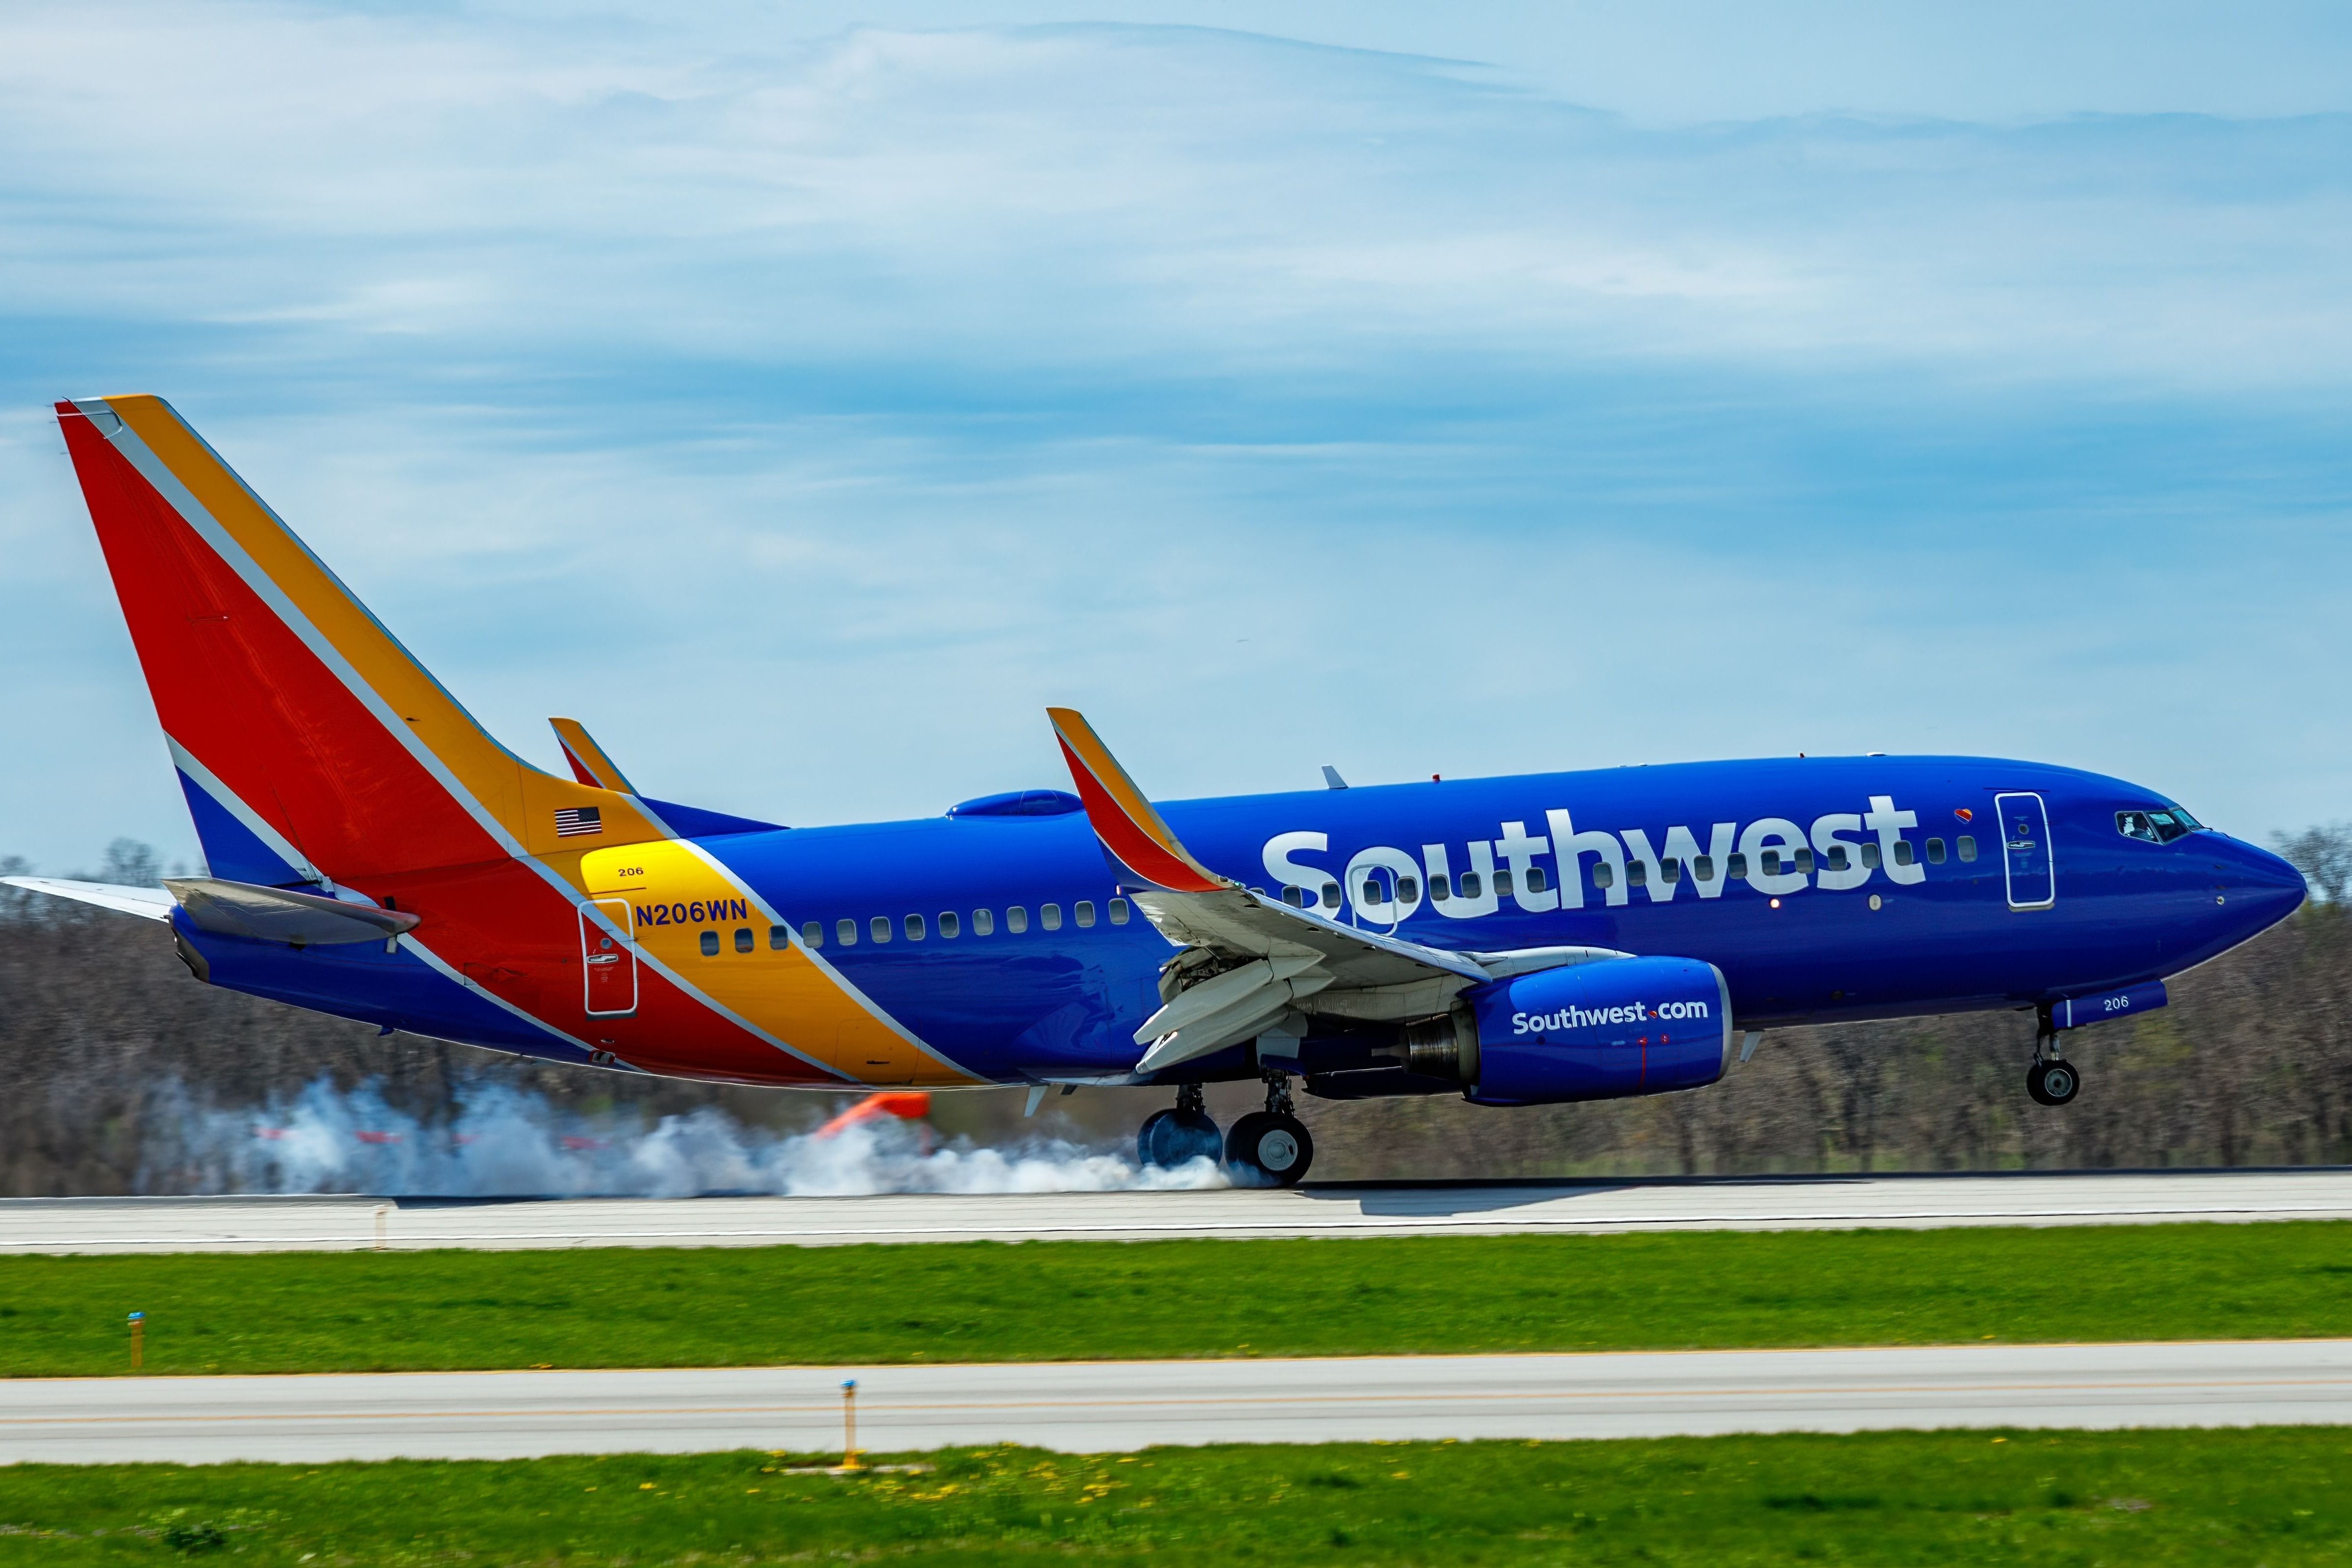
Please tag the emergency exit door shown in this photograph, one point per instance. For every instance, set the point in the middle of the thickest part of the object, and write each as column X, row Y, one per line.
column 2025, row 851
column 610, row 960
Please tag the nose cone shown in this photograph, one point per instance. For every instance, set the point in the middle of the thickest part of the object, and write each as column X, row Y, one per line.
column 2262, row 889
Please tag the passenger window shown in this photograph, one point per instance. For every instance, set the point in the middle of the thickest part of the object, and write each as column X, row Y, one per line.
column 1408, row 889
column 1871, row 856
column 1903, row 852
column 1085, row 909
column 880, row 927
column 950, row 925
column 1295, row 896
column 781, row 937
column 1538, row 880
column 1671, row 869
column 710, row 944
column 914, row 928
column 1471, row 886
column 1603, row 876
column 1935, row 852
column 1737, row 866
column 1840, row 860
column 1805, row 861
column 1438, row 888
column 983, row 923
column 1050, row 915
column 1637, row 875
column 1771, row 859
column 1703, row 868
column 1330, row 895
column 846, row 929
column 1372, row 894
column 1966, row 847
column 1118, row 911
column 743, row 939
column 1503, row 884
column 1017, row 920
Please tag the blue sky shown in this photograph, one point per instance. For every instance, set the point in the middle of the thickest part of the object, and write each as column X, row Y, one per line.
column 805, row 397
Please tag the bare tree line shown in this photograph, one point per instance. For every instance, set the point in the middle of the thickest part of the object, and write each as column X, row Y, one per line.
column 106, row 1043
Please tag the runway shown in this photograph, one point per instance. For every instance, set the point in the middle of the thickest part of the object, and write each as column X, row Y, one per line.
column 1336, row 1209
column 1099, row 1406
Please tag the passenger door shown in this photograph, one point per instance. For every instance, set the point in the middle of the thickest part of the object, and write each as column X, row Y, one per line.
column 2025, row 851
column 610, row 961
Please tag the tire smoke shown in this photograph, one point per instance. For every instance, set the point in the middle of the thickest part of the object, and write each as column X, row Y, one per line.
column 506, row 1142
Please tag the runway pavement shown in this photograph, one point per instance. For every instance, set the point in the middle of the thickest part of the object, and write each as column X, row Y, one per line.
column 344, row 1223
column 1097, row 1406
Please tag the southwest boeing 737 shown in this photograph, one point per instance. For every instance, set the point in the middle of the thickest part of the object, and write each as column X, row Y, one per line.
column 373, row 853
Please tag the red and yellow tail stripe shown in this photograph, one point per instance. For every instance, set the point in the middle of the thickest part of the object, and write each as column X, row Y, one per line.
column 267, row 669
column 293, row 705
column 1123, row 819
column 589, row 762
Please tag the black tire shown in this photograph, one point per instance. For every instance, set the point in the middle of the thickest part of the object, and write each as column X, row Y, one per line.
column 2053, row 1082
column 1172, row 1138
column 1270, row 1147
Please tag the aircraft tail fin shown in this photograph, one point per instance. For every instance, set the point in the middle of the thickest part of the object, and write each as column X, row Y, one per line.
column 312, row 745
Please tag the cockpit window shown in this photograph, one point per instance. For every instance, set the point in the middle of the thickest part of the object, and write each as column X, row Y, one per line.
column 2156, row 827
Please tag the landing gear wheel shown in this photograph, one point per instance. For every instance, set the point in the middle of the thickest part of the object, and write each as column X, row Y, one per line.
column 2052, row 1082
column 1172, row 1138
column 1272, row 1146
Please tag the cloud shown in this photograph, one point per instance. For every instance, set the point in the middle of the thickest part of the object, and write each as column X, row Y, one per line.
column 803, row 413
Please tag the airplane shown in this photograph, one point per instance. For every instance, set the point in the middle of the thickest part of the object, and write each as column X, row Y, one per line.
column 372, row 852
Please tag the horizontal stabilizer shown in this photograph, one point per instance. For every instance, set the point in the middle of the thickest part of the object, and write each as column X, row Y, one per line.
column 278, row 914
column 154, row 903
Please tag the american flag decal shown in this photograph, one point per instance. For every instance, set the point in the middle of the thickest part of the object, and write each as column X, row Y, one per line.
column 571, row 821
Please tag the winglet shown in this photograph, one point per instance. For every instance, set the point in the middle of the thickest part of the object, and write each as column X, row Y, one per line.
column 588, row 764
column 1124, row 822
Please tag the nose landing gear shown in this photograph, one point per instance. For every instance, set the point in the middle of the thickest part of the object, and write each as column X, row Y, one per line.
column 2052, row 1079
column 1175, row 1137
column 1271, row 1146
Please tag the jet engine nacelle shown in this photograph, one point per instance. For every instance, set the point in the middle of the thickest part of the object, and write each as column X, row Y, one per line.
column 1600, row 1031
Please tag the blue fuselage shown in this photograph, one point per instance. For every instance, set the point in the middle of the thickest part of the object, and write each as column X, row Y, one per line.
column 1039, row 1003
column 1824, row 889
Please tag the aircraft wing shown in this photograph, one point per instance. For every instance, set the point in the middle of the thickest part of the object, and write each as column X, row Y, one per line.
column 1247, row 959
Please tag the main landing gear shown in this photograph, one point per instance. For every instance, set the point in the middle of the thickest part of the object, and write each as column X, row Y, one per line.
column 2052, row 1079
column 1271, row 1146
column 1172, row 1138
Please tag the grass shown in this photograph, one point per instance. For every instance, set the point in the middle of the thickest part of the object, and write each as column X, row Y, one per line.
column 1083, row 1300
column 2267, row 1496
